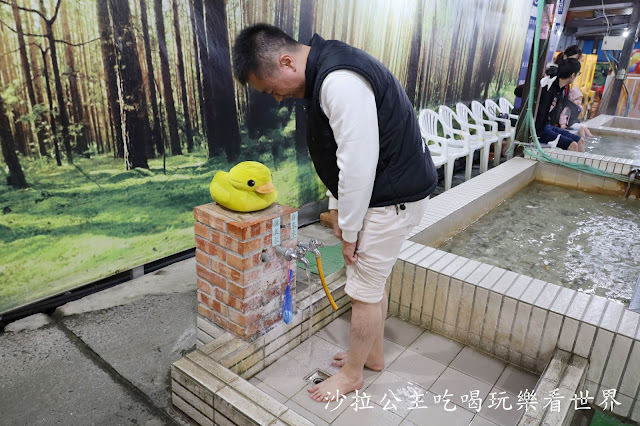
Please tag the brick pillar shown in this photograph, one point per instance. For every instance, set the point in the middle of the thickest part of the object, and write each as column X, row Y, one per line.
column 239, row 289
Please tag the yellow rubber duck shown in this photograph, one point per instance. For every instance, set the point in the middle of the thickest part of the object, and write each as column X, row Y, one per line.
column 246, row 188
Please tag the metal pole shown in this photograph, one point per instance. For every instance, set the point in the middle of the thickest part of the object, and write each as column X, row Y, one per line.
column 625, row 56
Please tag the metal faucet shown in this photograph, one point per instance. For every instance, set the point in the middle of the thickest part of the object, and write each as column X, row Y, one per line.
column 296, row 254
column 314, row 245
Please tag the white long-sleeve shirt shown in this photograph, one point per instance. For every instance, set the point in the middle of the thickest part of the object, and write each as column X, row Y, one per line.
column 348, row 101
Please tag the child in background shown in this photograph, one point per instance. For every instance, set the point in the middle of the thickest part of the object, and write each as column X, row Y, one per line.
column 569, row 115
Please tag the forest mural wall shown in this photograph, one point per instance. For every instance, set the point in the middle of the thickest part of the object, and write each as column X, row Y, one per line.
column 115, row 114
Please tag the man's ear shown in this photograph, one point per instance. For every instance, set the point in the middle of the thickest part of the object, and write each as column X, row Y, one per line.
column 285, row 60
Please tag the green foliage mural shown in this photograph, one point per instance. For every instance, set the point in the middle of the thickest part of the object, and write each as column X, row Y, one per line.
column 115, row 114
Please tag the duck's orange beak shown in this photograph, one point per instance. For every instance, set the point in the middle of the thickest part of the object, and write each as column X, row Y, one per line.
column 266, row 188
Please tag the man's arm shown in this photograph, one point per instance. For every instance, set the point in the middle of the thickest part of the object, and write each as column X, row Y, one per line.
column 348, row 101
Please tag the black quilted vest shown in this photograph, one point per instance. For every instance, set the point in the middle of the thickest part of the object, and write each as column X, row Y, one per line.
column 405, row 171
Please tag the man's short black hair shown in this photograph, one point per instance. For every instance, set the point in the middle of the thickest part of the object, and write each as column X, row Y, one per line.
column 568, row 67
column 255, row 49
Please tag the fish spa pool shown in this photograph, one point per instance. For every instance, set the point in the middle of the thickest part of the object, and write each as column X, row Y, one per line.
column 572, row 331
column 616, row 137
column 587, row 242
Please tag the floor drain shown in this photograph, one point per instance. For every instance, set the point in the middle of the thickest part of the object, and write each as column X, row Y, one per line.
column 317, row 376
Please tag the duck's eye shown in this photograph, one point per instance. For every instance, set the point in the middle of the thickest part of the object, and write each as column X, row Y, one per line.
column 251, row 182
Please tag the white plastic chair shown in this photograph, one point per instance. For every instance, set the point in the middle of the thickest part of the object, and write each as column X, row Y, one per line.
column 493, row 111
column 506, row 107
column 475, row 141
column 429, row 121
column 480, row 112
column 489, row 137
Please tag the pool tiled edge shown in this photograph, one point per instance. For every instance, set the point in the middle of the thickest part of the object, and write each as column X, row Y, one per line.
column 514, row 317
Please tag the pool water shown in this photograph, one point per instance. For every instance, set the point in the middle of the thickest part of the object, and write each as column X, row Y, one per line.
column 614, row 146
column 588, row 242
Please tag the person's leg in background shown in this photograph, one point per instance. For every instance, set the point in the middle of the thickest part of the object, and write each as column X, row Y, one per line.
column 568, row 141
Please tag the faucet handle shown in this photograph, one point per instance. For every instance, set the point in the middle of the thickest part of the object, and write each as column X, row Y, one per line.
column 314, row 243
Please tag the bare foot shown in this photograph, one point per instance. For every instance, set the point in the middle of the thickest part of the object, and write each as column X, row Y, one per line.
column 340, row 359
column 335, row 386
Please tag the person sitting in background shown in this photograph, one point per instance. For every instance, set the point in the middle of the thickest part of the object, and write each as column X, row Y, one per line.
column 552, row 93
column 571, row 112
column 573, row 52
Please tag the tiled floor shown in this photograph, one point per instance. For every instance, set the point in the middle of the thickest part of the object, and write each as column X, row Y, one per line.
column 420, row 368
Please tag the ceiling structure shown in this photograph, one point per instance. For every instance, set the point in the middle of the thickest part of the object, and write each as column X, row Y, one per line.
column 587, row 20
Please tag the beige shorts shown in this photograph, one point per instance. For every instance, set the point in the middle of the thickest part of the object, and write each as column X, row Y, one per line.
column 383, row 232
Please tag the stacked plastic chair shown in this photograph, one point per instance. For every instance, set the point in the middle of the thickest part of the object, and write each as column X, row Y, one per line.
column 476, row 140
column 489, row 132
column 445, row 146
column 481, row 111
column 506, row 107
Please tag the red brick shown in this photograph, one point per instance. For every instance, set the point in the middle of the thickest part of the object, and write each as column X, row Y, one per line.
column 251, row 303
column 266, row 226
column 211, row 249
column 220, row 320
column 243, row 264
column 250, row 246
column 204, row 286
column 204, row 299
column 238, row 230
column 235, row 290
column 203, row 258
column 221, row 295
column 235, row 328
column 211, row 277
column 208, row 216
column 204, row 311
column 219, row 307
column 218, row 223
column 216, row 237
column 202, row 230
column 243, row 319
column 271, row 319
column 267, row 240
column 254, row 230
column 204, row 245
column 224, row 270
column 237, row 317
column 274, row 290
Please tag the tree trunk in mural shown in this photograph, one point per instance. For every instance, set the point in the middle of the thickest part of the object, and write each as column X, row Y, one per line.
column 430, row 57
column 82, row 137
column 305, row 31
column 8, row 73
column 16, row 176
column 62, row 106
column 306, row 175
column 134, row 105
column 450, row 95
column 196, row 57
column 183, row 83
column 207, row 81
column 109, row 66
column 414, row 55
column 491, row 68
column 52, row 118
column 467, row 95
column 37, row 85
column 26, row 72
column 176, row 148
column 156, row 134
column 222, row 119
